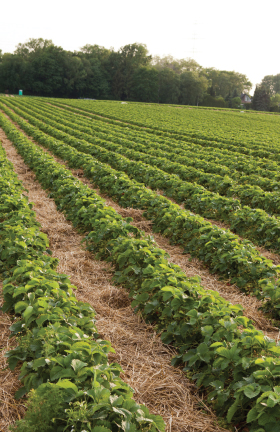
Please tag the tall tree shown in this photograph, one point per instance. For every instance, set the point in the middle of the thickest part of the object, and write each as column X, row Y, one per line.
column 261, row 99
column 12, row 73
column 271, row 83
column 192, row 88
column 145, row 85
column 223, row 83
column 125, row 62
column 178, row 66
column 169, row 86
column 98, row 64
column 32, row 46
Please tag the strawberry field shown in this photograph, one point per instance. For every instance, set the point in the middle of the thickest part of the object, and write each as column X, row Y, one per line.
column 207, row 181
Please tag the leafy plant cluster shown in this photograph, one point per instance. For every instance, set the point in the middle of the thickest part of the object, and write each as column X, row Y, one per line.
column 221, row 250
column 238, row 164
column 264, row 138
column 183, row 157
column 241, row 132
column 62, row 357
column 251, row 195
column 234, row 362
column 254, row 224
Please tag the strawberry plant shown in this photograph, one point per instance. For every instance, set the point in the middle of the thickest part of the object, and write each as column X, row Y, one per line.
column 62, row 358
column 236, row 364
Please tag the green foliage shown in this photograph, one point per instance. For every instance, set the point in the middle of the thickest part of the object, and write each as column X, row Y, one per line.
column 43, row 411
column 236, row 365
column 58, row 348
column 225, row 82
column 169, row 86
column 145, row 85
column 271, row 83
column 211, row 101
column 261, row 99
column 192, row 88
column 196, row 198
column 236, row 102
column 42, row 68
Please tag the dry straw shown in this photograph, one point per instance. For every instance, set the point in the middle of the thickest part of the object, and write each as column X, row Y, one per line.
column 143, row 357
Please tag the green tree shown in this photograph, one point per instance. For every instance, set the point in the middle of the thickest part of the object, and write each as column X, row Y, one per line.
column 145, row 85
column 211, row 101
column 32, row 46
column 192, row 88
column 268, row 83
column 271, row 83
column 178, row 66
column 12, row 73
column 226, row 82
column 276, row 98
column 96, row 61
column 44, row 74
column 275, row 103
column 169, row 86
column 124, row 64
column 261, row 99
column 236, row 102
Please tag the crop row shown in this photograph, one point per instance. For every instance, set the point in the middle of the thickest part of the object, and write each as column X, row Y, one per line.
column 210, row 159
column 254, row 224
column 189, row 159
column 252, row 196
column 230, row 358
column 190, row 136
column 156, row 118
column 57, row 338
column 222, row 251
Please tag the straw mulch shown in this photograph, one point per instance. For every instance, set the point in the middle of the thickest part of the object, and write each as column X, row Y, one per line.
column 10, row 409
column 192, row 267
column 143, row 357
column 268, row 254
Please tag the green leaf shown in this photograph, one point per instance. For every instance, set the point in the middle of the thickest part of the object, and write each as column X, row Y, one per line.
column 42, row 319
column 224, row 352
column 19, row 306
column 21, row 392
column 101, row 429
column 66, row 384
column 252, row 390
column 28, row 312
column 203, row 352
column 219, row 385
column 16, row 327
column 232, row 410
column 39, row 362
column 78, row 364
column 246, row 362
column 71, row 390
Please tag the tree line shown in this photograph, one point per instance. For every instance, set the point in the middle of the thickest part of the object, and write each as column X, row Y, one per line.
column 267, row 94
column 40, row 68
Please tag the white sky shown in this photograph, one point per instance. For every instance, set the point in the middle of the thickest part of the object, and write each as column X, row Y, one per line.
column 240, row 35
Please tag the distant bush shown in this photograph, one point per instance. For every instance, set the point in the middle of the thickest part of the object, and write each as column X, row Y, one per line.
column 212, row 101
column 236, row 102
column 274, row 107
